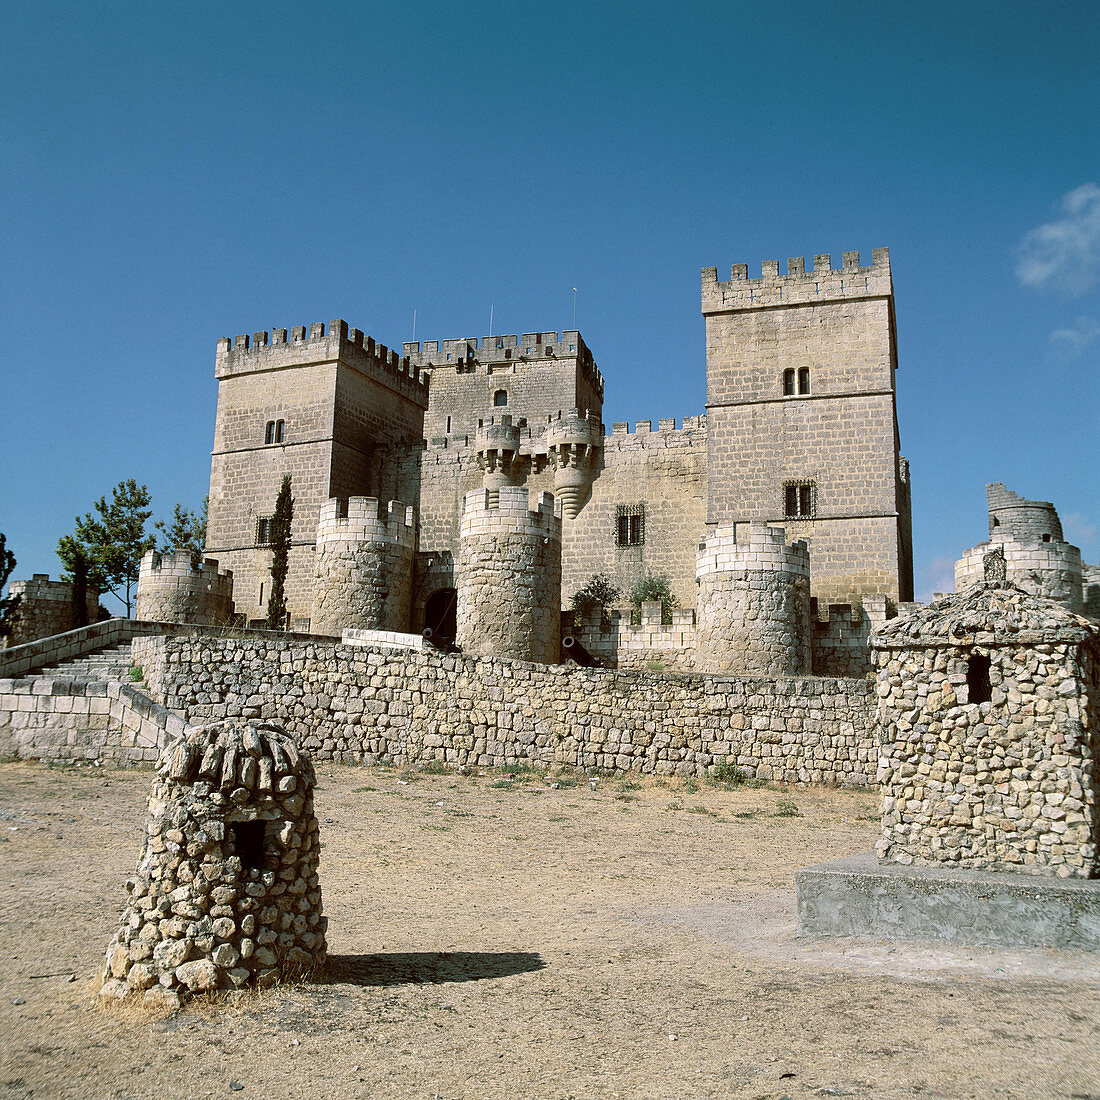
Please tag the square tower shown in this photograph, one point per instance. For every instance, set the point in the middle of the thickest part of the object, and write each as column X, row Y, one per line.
column 326, row 407
column 802, row 418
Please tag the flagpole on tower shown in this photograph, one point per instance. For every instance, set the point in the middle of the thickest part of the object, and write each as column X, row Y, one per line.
column 574, row 308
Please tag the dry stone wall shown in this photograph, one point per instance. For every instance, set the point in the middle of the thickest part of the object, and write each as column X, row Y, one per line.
column 358, row 705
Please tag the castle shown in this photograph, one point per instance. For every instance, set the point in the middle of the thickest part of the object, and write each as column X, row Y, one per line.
column 800, row 433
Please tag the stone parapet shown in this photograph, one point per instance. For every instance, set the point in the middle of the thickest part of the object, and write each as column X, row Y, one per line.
column 173, row 590
column 1050, row 569
column 754, row 602
column 45, row 608
column 821, row 283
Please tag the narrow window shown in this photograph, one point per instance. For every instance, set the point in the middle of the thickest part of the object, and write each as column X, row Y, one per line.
column 269, row 432
column 1046, row 538
column 279, row 424
column 264, row 525
column 248, row 843
column 978, row 689
column 500, row 398
column 803, row 379
column 788, row 383
column 261, row 599
column 799, row 500
column 448, row 425
column 630, row 525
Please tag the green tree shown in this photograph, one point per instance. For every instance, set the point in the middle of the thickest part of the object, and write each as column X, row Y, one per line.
column 599, row 592
column 653, row 586
column 9, row 604
column 113, row 541
column 80, row 588
column 280, row 555
column 186, row 530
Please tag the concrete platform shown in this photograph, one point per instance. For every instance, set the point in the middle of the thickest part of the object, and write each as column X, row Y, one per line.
column 858, row 896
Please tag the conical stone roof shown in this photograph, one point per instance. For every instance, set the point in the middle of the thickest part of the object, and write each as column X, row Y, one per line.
column 993, row 613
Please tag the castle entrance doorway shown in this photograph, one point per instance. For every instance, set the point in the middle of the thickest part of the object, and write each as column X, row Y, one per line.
column 441, row 614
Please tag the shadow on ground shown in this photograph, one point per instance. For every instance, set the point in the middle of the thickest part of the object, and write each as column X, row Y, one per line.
column 412, row 967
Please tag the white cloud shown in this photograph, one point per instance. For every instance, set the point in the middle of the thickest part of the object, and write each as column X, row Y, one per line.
column 1079, row 530
column 937, row 576
column 1075, row 339
column 1064, row 255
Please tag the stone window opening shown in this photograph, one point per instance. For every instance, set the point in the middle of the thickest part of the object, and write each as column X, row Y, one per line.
column 630, row 525
column 500, row 398
column 788, row 383
column 273, row 433
column 1046, row 538
column 803, row 380
column 249, row 843
column 799, row 500
column 341, row 507
column 978, row 687
column 265, row 530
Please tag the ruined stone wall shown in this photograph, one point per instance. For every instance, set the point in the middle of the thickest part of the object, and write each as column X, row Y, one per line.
column 172, row 590
column 363, row 566
column 45, row 609
column 1090, row 586
column 358, row 705
column 508, row 575
column 754, row 603
column 1011, row 517
column 839, row 436
column 1050, row 569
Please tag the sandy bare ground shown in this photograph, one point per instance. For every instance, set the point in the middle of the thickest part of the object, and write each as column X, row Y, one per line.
column 516, row 941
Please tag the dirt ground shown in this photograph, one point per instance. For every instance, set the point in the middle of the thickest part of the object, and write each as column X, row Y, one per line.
column 496, row 938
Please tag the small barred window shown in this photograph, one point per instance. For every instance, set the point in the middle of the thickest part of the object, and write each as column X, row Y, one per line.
column 799, row 500
column 630, row 525
column 265, row 530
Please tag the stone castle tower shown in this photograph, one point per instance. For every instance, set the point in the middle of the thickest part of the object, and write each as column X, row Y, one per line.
column 800, row 434
column 802, row 426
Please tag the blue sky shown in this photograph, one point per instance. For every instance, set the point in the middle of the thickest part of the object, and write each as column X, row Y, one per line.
column 170, row 174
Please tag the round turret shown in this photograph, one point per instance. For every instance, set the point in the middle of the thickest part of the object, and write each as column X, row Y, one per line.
column 1049, row 569
column 172, row 590
column 509, row 575
column 574, row 443
column 496, row 443
column 754, row 603
column 363, row 566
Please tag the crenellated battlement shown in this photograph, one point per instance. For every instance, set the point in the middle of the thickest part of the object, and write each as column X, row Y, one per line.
column 761, row 548
column 173, row 590
column 492, row 352
column 273, row 350
column 365, row 519
column 507, row 506
column 798, row 286
column 666, row 431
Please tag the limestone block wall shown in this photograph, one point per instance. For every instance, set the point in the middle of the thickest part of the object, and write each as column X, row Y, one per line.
column 754, row 603
column 46, row 608
column 648, row 645
column 358, row 705
column 172, row 590
column 1050, row 569
column 1012, row 518
column 363, row 566
column 840, row 643
column 508, row 575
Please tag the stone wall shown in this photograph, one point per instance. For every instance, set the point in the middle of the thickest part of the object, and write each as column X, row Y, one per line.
column 358, row 705
column 363, row 566
column 1050, row 569
column 172, row 590
column 46, row 608
column 508, row 575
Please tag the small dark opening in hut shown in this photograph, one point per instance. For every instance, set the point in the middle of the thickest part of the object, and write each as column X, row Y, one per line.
column 248, row 843
column 977, row 679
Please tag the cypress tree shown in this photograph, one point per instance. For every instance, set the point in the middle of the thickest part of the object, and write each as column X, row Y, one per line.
column 280, row 553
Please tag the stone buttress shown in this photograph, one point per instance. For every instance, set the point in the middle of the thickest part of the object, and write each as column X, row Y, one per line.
column 509, row 575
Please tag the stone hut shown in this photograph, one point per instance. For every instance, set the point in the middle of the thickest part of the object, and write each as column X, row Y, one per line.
column 987, row 713
column 226, row 891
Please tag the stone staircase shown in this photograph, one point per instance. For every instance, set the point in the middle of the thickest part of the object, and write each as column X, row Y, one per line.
column 112, row 663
